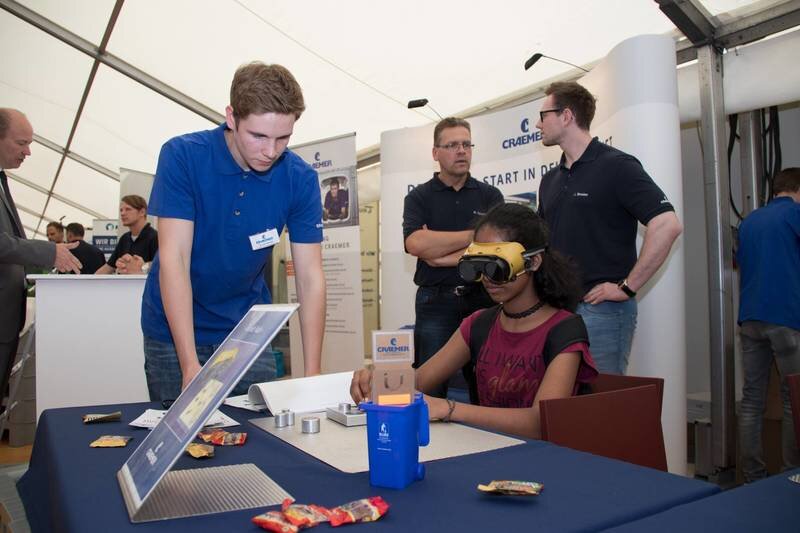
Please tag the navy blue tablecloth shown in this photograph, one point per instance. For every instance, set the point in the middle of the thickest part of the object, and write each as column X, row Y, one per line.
column 71, row 487
column 771, row 505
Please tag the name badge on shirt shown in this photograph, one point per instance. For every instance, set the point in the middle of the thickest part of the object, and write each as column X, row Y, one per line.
column 264, row 240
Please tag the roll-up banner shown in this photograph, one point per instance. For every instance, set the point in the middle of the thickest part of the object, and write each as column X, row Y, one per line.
column 637, row 112
column 343, row 347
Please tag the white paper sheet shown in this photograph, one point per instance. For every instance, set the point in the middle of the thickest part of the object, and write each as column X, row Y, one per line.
column 151, row 417
column 243, row 402
column 345, row 448
column 303, row 395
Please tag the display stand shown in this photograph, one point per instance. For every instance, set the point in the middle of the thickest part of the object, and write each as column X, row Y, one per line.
column 88, row 340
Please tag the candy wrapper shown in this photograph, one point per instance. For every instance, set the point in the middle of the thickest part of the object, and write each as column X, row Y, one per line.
column 275, row 521
column 366, row 510
column 220, row 437
column 513, row 488
column 106, row 417
column 110, row 441
column 200, row 451
column 304, row 515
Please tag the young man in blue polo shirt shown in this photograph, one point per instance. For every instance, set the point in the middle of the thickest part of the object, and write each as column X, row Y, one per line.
column 769, row 316
column 593, row 202
column 223, row 196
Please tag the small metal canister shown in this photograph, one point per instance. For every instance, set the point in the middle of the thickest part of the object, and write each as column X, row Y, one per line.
column 310, row 424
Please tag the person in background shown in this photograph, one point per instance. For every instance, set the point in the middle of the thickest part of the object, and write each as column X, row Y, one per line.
column 512, row 372
column 137, row 248
column 90, row 256
column 223, row 197
column 336, row 202
column 593, row 202
column 17, row 251
column 769, row 316
column 55, row 232
column 438, row 219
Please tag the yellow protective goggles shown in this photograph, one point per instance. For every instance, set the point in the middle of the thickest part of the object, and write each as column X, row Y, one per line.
column 499, row 262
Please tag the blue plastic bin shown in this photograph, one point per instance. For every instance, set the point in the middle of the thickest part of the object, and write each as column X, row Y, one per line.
column 394, row 435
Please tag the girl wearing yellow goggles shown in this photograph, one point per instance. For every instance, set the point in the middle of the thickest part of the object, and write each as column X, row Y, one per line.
column 528, row 348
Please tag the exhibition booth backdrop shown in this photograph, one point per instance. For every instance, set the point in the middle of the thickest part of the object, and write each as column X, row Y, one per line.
column 637, row 112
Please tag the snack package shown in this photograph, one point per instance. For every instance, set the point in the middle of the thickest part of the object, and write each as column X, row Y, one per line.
column 304, row 515
column 199, row 451
column 110, row 441
column 105, row 417
column 275, row 521
column 220, row 437
column 513, row 488
column 366, row 510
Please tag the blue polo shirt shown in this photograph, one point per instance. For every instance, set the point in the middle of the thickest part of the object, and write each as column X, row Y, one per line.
column 769, row 264
column 197, row 179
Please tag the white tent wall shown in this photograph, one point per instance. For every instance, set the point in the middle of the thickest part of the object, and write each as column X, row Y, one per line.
column 357, row 74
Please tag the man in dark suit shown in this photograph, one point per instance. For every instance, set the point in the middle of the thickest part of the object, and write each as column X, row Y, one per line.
column 17, row 252
column 90, row 256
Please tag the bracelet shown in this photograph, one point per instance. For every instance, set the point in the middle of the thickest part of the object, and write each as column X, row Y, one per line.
column 451, row 404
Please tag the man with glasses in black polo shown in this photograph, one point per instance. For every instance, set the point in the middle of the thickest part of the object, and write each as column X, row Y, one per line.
column 593, row 202
column 437, row 227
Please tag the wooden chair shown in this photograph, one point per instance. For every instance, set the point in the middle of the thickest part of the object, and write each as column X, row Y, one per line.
column 793, row 380
column 620, row 420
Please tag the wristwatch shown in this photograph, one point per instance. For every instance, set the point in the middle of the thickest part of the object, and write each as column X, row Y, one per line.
column 145, row 268
column 623, row 285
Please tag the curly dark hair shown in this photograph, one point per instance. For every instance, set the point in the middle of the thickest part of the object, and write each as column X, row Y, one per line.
column 556, row 282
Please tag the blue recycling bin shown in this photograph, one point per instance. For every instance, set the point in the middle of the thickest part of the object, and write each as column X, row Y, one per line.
column 394, row 435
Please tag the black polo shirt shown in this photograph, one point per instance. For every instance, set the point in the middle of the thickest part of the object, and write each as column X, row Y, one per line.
column 593, row 207
column 145, row 245
column 90, row 257
column 442, row 208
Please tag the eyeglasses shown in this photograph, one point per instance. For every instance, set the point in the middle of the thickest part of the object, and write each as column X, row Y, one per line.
column 454, row 146
column 546, row 111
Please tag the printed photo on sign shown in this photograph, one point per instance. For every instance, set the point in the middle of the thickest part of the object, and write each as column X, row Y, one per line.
column 339, row 194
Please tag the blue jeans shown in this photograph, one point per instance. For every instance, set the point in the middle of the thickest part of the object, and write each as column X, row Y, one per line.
column 164, row 377
column 439, row 313
column 611, row 326
column 761, row 343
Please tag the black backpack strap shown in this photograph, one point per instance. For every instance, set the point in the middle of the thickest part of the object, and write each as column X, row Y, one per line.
column 565, row 333
column 478, row 333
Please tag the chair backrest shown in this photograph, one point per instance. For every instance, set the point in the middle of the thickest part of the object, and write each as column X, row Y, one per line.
column 793, row 381
column 622, row 424
column 612, row 382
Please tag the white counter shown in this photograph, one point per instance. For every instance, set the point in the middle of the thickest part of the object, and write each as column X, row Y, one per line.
column 88, row 340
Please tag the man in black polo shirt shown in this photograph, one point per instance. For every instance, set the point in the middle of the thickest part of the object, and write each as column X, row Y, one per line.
column 135, row 249
column 437, row 220
column 592, row 202
column 90, row 256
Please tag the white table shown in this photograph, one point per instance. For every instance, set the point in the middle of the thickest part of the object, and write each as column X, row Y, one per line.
column 88, row 340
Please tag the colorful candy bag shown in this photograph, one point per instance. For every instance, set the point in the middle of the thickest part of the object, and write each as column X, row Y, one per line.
column 199, row 451
column 220, row 437
column 304, row 515
column 110, row 441
column 366, row 510
column 275, row 521
column 513, row 488
column 104, row 417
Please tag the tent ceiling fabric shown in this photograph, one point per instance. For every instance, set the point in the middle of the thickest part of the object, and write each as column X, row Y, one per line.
column 358, row 62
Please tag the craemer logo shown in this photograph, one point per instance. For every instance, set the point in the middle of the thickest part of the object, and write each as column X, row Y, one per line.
column 318, row 163
column 393, row 347
column 527, row 136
